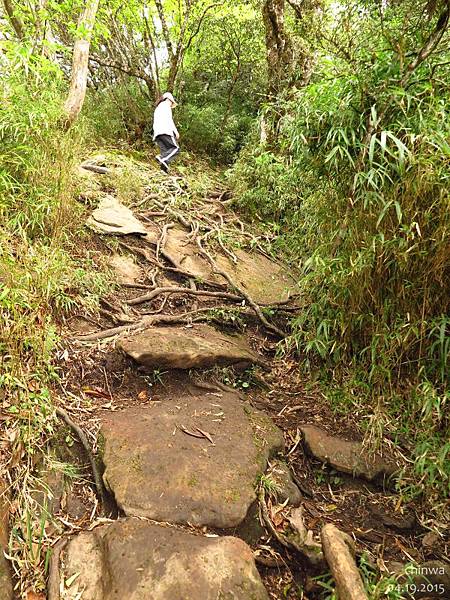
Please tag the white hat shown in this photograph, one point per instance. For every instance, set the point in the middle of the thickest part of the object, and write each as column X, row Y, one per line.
column 168, row 96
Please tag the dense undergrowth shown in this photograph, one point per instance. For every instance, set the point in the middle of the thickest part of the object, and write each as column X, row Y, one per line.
column 359, row 197
column 43, row 276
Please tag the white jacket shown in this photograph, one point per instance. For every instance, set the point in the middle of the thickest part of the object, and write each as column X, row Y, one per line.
column 163, row 121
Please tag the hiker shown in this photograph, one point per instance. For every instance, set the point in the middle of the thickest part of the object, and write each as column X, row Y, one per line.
column 165, row 134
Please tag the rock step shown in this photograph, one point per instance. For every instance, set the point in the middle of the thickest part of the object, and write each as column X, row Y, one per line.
column 266, row 281
column 200, row 346
column 344, row 456
column 133, row 559
column 156, row 468
column 113, row 217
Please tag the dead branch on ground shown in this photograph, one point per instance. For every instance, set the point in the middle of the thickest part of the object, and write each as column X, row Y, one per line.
column 339, row 551
column 300, row 539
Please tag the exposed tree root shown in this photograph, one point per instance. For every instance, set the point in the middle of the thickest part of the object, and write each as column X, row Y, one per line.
column 174, row 269
column 100, row 486
column 149, row 320
column 162, row 239
column 181, row 290
column 242, row 292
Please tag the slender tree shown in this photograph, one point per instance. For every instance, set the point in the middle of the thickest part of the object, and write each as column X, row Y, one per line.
column 14, row 19
column 80, row 62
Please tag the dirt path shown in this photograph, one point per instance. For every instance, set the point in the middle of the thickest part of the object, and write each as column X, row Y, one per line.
column 214, row 474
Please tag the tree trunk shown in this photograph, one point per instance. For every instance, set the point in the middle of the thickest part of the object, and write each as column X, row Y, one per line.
column 173, row 72
column 280, row 55
column 80, row 63
column 14, row 19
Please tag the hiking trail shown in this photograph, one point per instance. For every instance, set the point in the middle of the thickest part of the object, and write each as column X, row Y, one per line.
column 213, row 467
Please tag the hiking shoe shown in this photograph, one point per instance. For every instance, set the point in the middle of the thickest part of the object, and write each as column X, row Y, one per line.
column 164, row 167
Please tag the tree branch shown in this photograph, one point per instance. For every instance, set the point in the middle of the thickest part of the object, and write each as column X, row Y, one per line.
column 429, row 46
column 14, row 19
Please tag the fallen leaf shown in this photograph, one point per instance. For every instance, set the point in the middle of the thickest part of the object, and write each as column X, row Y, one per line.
column 192, row 433
column 198, row 434
column 71, row 579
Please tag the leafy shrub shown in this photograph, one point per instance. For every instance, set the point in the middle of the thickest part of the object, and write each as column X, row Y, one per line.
column 360, row 196
column 36, row 154
column 207, row 128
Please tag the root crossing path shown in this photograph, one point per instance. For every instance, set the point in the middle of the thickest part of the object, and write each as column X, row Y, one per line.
column 198, row 492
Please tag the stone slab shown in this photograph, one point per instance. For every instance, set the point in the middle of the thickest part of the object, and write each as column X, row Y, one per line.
column 200, row 346
column 136, row 560
column 157, row 470
column 344, row 456
column 266, row 281
column 113, row 217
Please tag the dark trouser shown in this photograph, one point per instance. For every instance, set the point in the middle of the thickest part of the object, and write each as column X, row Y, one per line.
column 168, row 146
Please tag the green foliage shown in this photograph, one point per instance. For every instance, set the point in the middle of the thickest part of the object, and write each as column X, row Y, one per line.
column 43, row 275
column 33, row 196
column 119, row 113
column 357, row 186
column 222, row 81
column 206, row 130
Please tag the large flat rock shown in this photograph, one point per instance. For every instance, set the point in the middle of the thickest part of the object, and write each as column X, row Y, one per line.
column 344, row 456
column 200, row 346
column 125, row 269
column 157, row 470
column 136, row 560
column 113, row 217
column 266, row 281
